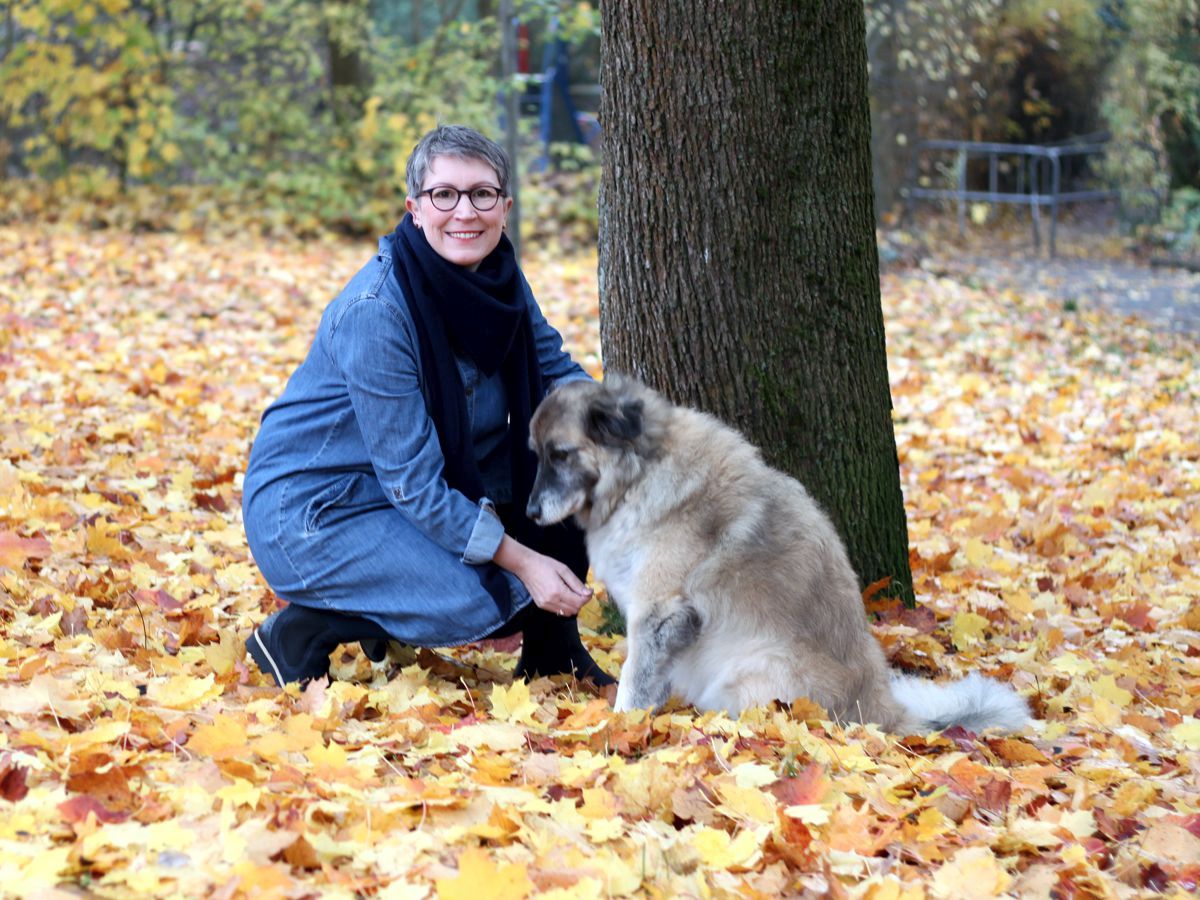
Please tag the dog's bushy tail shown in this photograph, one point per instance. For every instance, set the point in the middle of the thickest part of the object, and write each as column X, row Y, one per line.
column 974, row 702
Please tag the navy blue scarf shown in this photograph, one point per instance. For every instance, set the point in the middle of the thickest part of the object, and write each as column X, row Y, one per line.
column 485, row 316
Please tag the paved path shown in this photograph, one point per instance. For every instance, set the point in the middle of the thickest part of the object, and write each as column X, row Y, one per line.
column 1169, row 298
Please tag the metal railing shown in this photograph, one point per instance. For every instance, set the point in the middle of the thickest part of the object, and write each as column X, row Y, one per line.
column 1037, row 170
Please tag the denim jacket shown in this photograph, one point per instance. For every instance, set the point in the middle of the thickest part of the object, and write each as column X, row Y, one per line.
column 357, row 404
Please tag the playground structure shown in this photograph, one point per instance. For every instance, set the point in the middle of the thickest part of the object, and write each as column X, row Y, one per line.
column 548, row 95
column 1036, row 176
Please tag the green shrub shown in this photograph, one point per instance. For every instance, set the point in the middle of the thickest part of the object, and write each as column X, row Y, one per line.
column 295, row 114
column 1152, row 106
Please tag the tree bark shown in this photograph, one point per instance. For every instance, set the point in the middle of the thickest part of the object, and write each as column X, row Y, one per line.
column 738, row 266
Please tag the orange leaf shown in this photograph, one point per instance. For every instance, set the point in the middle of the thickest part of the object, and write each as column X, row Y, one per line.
column 875, row 587
column 14, row 549
column 76, row 810
column 809, row 787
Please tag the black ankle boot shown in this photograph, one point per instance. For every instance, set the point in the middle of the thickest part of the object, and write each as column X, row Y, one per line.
column 375, row 649
column 551, row 646
column 294, row 644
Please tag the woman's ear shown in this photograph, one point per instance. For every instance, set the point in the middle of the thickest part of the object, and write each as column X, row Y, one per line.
column 413, row 207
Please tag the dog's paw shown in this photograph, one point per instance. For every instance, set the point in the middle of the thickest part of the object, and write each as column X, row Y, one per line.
column 623, row 701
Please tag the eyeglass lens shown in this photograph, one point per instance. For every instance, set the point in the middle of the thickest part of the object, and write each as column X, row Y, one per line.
column 446, row 198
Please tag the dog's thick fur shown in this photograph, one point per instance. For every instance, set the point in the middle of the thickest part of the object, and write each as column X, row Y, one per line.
column 734, row 584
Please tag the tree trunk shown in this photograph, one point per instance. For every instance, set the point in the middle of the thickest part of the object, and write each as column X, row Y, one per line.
column 738, row 267
column 346, row 36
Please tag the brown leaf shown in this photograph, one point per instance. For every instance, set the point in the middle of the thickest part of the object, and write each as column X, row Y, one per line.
column 299, row 854
column 12, row 781
column 1016, row 751
column 996, row 795
column 74, row 621
column 158, row 598
column 106, row 783
column 1137, row 615
column 211, row 501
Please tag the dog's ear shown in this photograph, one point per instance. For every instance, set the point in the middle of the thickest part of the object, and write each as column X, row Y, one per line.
column 613, row 421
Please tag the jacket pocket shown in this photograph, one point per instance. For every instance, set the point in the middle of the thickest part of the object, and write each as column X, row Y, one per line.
column 337, row 494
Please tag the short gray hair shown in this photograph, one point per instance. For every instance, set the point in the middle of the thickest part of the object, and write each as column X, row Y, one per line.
column 457, row 141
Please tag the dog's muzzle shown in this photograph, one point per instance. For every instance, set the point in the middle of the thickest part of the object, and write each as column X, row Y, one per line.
column 533, row 510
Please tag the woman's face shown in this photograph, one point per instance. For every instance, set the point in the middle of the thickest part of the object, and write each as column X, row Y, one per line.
column 463, row 235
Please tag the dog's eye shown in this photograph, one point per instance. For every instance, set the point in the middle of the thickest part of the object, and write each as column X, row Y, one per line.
column 559, row 454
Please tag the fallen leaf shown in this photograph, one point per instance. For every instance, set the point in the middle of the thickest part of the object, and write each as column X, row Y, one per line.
column 479, row 877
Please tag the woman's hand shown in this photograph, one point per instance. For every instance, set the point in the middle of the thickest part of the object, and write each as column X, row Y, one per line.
column 552, row 585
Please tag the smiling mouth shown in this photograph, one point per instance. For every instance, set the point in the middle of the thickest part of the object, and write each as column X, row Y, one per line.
column 464, row 235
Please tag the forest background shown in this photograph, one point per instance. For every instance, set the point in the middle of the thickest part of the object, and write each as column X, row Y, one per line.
column 175, row 114
column 183, row 186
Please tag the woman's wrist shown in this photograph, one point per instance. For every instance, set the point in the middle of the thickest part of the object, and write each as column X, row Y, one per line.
column 512, row 555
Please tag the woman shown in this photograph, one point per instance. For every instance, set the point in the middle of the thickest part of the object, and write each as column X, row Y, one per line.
column 385, row 492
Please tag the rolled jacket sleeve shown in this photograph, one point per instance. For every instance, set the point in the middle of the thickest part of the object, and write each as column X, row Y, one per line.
column 374, row 349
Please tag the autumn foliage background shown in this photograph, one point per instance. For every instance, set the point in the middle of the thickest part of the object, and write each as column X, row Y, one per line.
column 1050, row 455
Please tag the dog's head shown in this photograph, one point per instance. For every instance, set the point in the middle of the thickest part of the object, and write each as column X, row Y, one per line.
column 587, row 437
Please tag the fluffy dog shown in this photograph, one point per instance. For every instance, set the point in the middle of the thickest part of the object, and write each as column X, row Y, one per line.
column 734, row 584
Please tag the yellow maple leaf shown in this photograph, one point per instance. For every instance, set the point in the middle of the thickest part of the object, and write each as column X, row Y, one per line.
column 1105, row 713
column 717, row 850
column 225, row 737
column 754, row 775
column 298, row 735
column 1079, row 822
column 598, row 804
column 1019, row 602
column 224, row 656
column 103, row 733
column 967, row 628
column 747, row 803
column 512, row 704
column 240, row 793
column 332, row 754
column 492, row 768
column 256, row 880
column 1186, row 734
column 931, row 824
column 972, row 872
column 1106, row 686
column 479, row 877
column 41, row 873
column 978, row 553
column 1070, row 664
column 891, row 888
column 183, row 691
column 103, row 540
column 1099, row 495
column 1133, row 796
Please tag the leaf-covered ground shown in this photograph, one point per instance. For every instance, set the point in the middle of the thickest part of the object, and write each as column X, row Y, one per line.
column 1051, row 462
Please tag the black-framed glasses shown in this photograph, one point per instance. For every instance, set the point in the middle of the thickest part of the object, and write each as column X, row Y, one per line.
column 483, row 197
